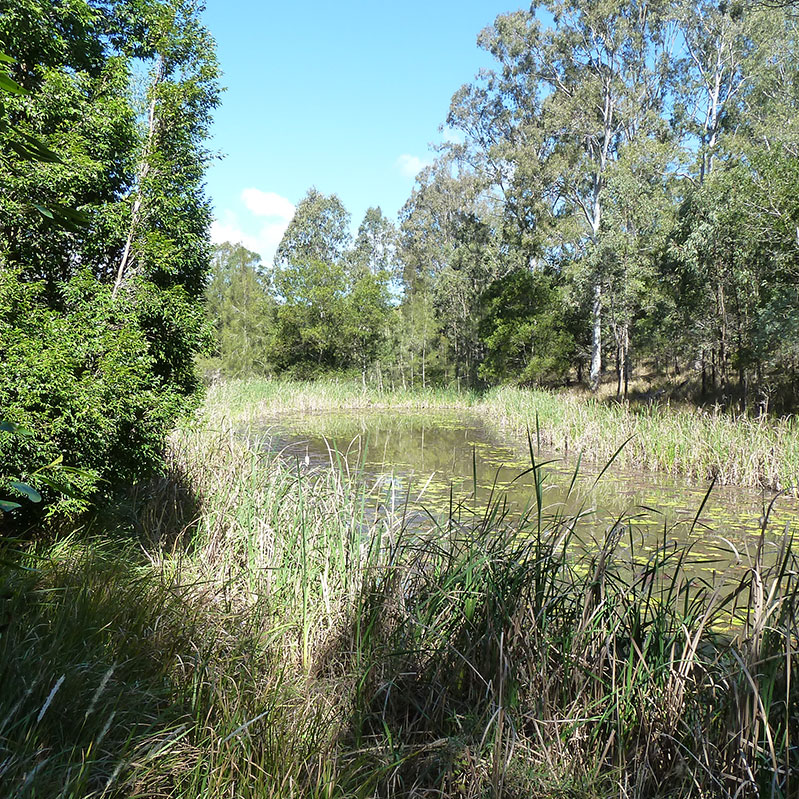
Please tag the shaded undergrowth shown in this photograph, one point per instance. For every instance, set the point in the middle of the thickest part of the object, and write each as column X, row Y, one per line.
column 295, row 638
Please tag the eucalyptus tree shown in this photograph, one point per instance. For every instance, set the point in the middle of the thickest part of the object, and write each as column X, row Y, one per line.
column 450, row 251
column 723, row 44
column 639, row 204
column 426, row 247
column 319, row 229
column 731, row 257
column 309, row 282
column 332, row 299
column 374, row 266
column 565, row 101
column 375, row 247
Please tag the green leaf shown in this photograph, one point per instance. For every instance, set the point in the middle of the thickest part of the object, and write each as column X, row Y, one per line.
column 30, row 147
column 44, row 211
column 31, row 493
column 62, row 488
column 10, row 86
column 7, row 506
column 10, row 427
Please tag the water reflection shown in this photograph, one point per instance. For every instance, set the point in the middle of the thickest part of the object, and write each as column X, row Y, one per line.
column 441, row 463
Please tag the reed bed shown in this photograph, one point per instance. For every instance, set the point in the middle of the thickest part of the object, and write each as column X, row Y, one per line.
column 695, row 442
column 257, row 629
column 252, row 399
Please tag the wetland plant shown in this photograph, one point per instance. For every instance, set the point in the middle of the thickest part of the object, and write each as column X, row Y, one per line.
column 288, row 634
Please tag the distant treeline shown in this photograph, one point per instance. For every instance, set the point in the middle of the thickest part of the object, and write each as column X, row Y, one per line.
column 622, row 188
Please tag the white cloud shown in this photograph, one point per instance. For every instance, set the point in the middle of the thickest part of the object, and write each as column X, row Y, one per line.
column 410, row 165
column 264, row 240
column 261, row 229
column 229, row 229
column 268, row 204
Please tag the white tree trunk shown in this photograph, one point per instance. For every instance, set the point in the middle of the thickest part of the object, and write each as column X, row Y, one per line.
column 596, row 339
column 144, row 168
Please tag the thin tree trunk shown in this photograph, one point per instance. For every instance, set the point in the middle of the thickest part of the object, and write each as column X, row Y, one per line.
column 704, row 374
column 722, row 339
column 713, row 368
column 627, row 369
column 144, row 168
column 424, row 359
column 596, row 339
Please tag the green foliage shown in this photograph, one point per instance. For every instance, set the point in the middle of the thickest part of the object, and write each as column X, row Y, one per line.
column 524, row 332
column 100, row 321
column 241, row 309
column 331, row 304
column 81, row 379
column 451, row 251
column 639, row 159
column 319, row 230
column 643, row 155
column 307, row 332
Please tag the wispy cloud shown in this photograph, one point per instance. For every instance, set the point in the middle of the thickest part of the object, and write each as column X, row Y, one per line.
column 451, row 135
column 410, row 165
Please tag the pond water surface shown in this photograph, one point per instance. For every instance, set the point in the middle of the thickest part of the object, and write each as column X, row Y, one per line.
column 441, row 460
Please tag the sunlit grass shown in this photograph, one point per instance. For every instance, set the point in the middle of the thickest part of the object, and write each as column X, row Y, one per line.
column 255, row 628
column 244, row 400
column 694, row 442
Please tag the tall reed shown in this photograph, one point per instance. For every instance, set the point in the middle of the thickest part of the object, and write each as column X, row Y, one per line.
column 275, row 631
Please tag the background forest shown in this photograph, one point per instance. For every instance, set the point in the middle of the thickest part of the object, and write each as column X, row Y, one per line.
column 624, row 193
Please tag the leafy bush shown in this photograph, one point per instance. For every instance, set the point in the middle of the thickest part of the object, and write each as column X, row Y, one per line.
column 82, row 381
column 100, row 321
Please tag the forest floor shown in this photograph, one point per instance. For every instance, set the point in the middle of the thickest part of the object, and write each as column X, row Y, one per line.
column 239, row 627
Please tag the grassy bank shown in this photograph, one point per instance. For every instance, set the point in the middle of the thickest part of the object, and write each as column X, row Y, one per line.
column 688, row 441
column 251, row 630
column 246, row 400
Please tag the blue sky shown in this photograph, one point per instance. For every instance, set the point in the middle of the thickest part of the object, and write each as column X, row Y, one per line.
column 345, row 96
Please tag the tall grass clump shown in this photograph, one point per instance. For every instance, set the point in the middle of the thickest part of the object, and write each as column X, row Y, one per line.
column 508, row 663
column 695, row 442
column 255, row 628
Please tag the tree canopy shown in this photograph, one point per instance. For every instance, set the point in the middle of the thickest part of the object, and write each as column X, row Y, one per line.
column 100, row 320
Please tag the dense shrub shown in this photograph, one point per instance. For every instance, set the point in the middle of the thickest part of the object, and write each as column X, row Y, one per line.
column 82, row 380
column 104, row 249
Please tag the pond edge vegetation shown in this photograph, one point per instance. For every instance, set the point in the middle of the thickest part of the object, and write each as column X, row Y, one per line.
column 267, row 634
column 681, row 440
